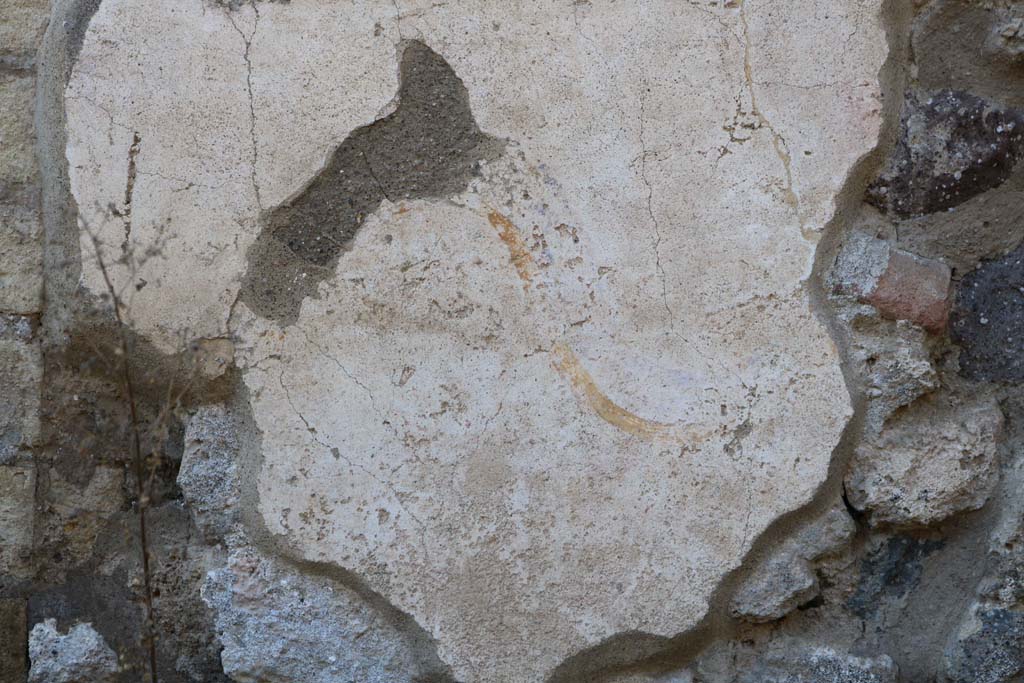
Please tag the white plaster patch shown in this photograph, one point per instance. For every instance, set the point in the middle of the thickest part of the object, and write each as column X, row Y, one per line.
column 562, row 404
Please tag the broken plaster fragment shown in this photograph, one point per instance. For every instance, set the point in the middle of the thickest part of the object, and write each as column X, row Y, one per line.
column 525, row 434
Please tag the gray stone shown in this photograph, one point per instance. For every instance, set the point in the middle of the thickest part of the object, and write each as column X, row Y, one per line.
column 989, row 648
column 17, row 511
column 281, row 625
column 786, row 579
column 953, row 146
column 20, row 375
column 932, row 460
column 684, row 676
column 894, row 360
column 775, row 589
column 1007, row 37
column 861, row 262
column 79, row 656
column 1004, row 585
column 827, row 534
column 988, row 320
column 821, row 665
column 208, row 476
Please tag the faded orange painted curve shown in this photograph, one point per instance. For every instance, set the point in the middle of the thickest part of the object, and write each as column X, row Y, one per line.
column 520, row 256
column 568, row 365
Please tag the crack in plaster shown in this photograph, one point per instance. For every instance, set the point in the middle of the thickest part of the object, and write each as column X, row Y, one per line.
column 398, row 20
column 112, row 120
column 346, row 372
column 339, row 453
column 252, row 106
column 650, row 205
column 778, row 141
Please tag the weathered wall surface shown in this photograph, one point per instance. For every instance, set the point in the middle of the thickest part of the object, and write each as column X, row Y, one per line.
column 559, row 341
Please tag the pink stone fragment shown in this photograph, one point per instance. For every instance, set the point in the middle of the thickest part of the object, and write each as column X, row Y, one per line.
column 900, row 285
column 915, row 289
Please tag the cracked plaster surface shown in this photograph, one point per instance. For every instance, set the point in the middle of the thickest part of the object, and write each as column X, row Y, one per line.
column 563, row 403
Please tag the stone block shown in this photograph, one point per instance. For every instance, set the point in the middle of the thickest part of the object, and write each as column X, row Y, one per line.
column 21, row 260
column 953, row 146
column 20, row 375
column 208, row 476
column 820, row 665
column 894, row 360
column 786, row 578
column 17, row 512
column 1007, row 37
column 988, row 647
column 915, row 289
column 22, row 23
column 279, row 624
column 17, row 130
column 988, row 320
column 776, row 588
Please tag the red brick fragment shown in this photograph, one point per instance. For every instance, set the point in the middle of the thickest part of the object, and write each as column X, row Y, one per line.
column 915, row 289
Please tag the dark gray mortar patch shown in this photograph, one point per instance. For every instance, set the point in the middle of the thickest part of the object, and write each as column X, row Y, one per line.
column 429, row 147
column 889, row 573
column 988, row 320
column 953, row 146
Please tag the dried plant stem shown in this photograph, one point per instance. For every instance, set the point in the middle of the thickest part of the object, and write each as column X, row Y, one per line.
column 136, row 448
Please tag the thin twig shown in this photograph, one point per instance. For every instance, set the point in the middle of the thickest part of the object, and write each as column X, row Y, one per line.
column 143, row 497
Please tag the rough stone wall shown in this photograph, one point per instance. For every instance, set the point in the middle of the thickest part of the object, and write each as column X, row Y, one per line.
column 140, row 423
column 21, row 305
